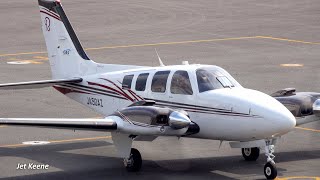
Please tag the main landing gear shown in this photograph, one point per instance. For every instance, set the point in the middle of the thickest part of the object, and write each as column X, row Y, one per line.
column 250, row 154
column 134, row 162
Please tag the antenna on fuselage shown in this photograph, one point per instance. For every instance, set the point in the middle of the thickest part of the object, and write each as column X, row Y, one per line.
column 160, row 61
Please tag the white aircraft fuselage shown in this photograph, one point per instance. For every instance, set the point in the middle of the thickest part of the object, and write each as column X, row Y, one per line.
column 142, row 103
column 227, row 113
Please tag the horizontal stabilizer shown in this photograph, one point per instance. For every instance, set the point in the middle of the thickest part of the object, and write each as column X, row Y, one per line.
column 38, row 84
column 82, row 124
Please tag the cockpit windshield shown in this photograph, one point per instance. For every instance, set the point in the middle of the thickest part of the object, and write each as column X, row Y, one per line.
column 213, row 77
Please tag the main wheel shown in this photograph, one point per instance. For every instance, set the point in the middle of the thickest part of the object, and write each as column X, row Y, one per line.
column 270, row 170
column 250, row 154
column 134, row 162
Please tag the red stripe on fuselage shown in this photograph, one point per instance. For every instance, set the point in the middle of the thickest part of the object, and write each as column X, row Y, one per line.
column 134, row 95
column 116, row 86
column 67, row 90
column 57, row 18
column 112, row 89
column 49, row 11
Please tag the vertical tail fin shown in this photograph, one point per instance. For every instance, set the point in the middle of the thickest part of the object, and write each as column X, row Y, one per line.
column 66, row 55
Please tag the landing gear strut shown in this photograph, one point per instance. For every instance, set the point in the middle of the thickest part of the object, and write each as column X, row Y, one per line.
column 250, row 154
column 134, row 162
column 270, row 169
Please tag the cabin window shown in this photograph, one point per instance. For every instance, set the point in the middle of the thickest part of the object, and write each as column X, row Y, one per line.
column 127, row 80
column 180, row 83
column 159, row 81
column 142, row 81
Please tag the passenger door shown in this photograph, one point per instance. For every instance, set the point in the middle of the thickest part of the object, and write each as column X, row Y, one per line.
column 158, row 89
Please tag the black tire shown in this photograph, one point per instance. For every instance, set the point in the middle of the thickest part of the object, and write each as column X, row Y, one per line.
column 250, row 154
column 270, row 170
column 136, row 161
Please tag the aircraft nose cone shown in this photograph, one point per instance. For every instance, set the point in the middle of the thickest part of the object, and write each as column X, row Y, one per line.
column 284, row 120
column 278, row 120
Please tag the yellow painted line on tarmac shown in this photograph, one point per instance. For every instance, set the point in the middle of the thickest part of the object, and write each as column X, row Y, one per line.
column 2, row 126
column 291, row 65
column 23, row 53
column 141, row 45
column 308, row 129
column 81, row 139
column 298, row 177
column 285, row 39
column 172, row 43
column 58, row 141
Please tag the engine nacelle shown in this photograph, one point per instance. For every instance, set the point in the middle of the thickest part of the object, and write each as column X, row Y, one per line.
column 155, row 116
column 301, row 104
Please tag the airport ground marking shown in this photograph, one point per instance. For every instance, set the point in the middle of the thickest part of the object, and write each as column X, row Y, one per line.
column 173, row 43
column 140, row 45
column 291, row 65
column 101, row 137
column 34, row 60
column 298, row 177
column 288, row 40
column 308, row 129
column 58, row 141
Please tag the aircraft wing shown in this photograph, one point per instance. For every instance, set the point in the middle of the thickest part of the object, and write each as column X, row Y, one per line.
column 82, row 124
column 38, row 84
column 141, row 119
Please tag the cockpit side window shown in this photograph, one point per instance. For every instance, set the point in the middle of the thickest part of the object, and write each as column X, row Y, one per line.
column 127, row 80
column 207, row 81
column 210, row 78
column 180, row 83
column 142, row 81
column 225, row 81
column 159, row 81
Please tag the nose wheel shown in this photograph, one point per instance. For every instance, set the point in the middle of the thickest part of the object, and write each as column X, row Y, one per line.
column 134, row 162
column 250, row 154
column 270, row 169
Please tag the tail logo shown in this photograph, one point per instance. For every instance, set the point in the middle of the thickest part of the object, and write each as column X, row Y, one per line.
column 66, row 51
column 47, row 23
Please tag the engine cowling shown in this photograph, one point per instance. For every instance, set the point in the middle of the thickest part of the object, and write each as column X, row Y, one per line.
column 300, row 104
column 157, row 116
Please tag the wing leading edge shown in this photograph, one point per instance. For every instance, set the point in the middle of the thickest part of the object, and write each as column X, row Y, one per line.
column 38, row 84
column 81, row 124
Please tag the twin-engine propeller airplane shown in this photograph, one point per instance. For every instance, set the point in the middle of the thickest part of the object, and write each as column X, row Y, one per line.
column 142, row 103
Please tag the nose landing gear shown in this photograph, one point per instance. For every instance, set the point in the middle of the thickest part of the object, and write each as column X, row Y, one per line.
column 270, row 169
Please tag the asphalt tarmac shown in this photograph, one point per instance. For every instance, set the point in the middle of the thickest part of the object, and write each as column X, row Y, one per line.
column 265, row 45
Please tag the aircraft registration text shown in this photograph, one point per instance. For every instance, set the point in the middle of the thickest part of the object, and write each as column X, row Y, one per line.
column 95, row 102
